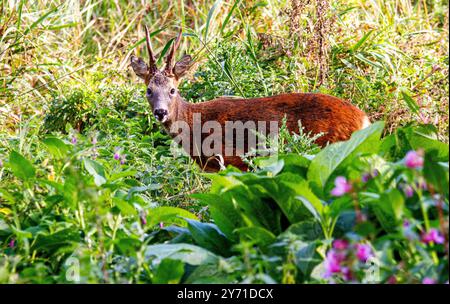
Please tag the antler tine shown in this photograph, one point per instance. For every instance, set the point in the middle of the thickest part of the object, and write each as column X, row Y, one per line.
column 173, row 49
column 151, row 58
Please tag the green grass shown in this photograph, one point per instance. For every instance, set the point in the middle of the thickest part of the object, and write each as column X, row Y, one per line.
column 65, row 74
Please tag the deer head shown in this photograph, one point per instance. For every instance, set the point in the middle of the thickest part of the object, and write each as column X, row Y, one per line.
column 162, row 93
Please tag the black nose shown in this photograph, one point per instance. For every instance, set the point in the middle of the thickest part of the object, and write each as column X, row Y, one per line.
column 160, row 114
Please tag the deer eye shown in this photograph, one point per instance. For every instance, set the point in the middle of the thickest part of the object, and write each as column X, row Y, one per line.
column 172, row 91
column 149, row 92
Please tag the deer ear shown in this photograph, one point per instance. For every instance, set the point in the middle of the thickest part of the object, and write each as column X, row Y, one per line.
column 139, row 67
column 182, row 66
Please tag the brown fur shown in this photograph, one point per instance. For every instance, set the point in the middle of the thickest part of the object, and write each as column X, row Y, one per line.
column 318, row 113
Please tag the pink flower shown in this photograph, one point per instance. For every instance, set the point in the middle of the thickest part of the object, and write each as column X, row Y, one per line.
column 363, row 252
column 347, row 274
column 432, row 236
column 12, row 243
column 161, row 225
column 414, row 160
column 332, row 263
column 408, row 190
column 342, row 186
column 340, row 244
column 392, row 280
column 143, row 218
column 428, row 281
column 73, row 140
column 1, row 163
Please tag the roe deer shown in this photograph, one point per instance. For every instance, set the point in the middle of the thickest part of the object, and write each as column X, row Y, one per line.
column 337, row 119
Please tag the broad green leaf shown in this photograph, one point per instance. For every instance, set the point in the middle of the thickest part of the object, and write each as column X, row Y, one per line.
column 208, row 236
column 168, row 215
column 436, row 174
column 96, row 170
column 291, row 194
column 56, row 147
column 329, row 159
column 124, row 207
column 225, row 215
column 189, row 254
column 308, row 230
column 389, row 209
column 20, row 166
column 259, row 235
column 424, row 138
column 307, row 257
column 53, row 241
column 169, row 272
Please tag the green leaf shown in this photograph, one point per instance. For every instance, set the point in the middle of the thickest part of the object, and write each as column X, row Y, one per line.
column 389, row 209
column 361, row 41
column 189, row 254
column 423, row 137
column 169, row 272
column 259, row 235
column 436, row 174
column 168, row 216
column 124, row 207
column 20, row 166
column 56, row 147
column 412, row 105
column 225, row 214
column 329, row 159
column 307, row 258
column 96, row 170
column 208, row 236
column 53, row 241
column 209, row 18
column 309, row 230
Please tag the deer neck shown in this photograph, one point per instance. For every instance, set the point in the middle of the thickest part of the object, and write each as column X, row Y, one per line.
column 181, row 112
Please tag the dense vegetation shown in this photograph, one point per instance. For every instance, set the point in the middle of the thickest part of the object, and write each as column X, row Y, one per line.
column 90, row 190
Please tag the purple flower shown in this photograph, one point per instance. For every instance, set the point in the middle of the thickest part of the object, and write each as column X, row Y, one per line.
column 363, row 252
column 116, row 156
column 414, row 160
column 161, row 225
column 332, row 263
column 73, row 140
column 340, row 244
column 122, row 159
column 12, row 243
column 432, row 236
column 342, row 186
column 366, row 177
column 408, row 190
column 143, row 219
column 428, row 280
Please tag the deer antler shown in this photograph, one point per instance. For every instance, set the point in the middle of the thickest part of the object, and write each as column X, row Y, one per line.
column 151, row 59
column 169, row 60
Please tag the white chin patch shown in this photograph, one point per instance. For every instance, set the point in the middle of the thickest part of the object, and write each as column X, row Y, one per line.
column 366, row 122
column 164, row 119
